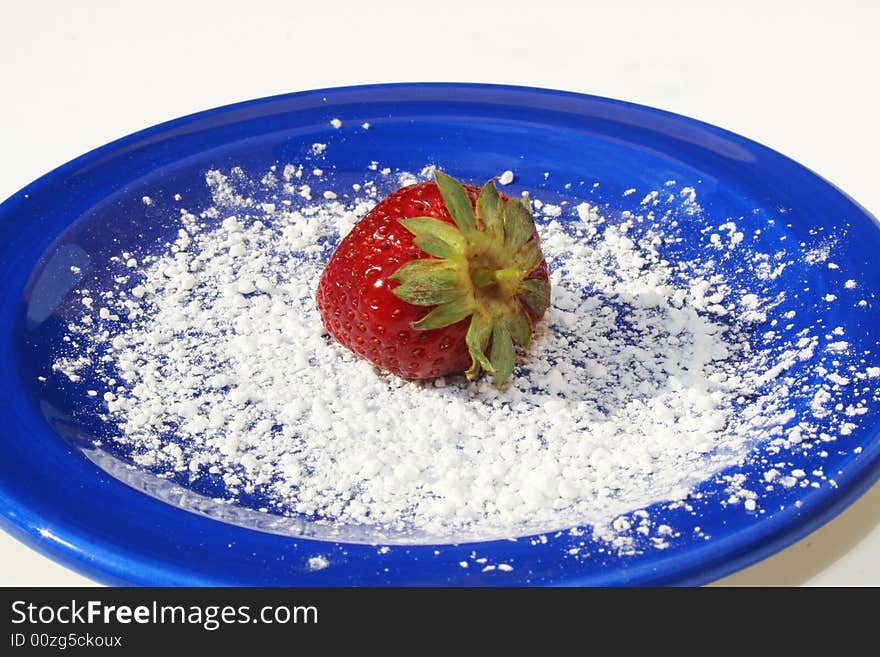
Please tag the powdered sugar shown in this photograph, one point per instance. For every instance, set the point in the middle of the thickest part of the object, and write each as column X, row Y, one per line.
column 646, row 378
column 505, row 178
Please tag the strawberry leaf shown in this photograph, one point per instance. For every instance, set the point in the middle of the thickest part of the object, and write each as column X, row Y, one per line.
column 421, row 268
column 457, row 201
column 436, row 237
column 477, row 339
column 520, row 328
column 446, row 314
column 424, row 295
column 535, row 294
column 503, row 356
column 528, row 257
column 518, row 226
column 428, row 282
column 489, row 209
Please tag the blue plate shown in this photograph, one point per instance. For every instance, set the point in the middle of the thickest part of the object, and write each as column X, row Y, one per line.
column 89, row 509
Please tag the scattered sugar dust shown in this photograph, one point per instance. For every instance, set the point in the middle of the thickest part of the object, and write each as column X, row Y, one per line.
column 647, row 377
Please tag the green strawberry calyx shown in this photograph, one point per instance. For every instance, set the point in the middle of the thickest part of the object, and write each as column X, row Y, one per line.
column 480, row 269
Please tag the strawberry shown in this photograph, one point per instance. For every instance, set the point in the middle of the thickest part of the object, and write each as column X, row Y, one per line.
column 438, row 278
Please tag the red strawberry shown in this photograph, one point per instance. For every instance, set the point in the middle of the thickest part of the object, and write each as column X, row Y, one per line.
column 434, row 278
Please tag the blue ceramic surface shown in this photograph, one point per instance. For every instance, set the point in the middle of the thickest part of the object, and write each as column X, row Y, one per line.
column 83, row 507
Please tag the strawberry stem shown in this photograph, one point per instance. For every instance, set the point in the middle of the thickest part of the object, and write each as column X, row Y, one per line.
column 487, row 277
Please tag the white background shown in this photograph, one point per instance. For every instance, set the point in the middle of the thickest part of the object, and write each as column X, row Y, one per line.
column 800, row 77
